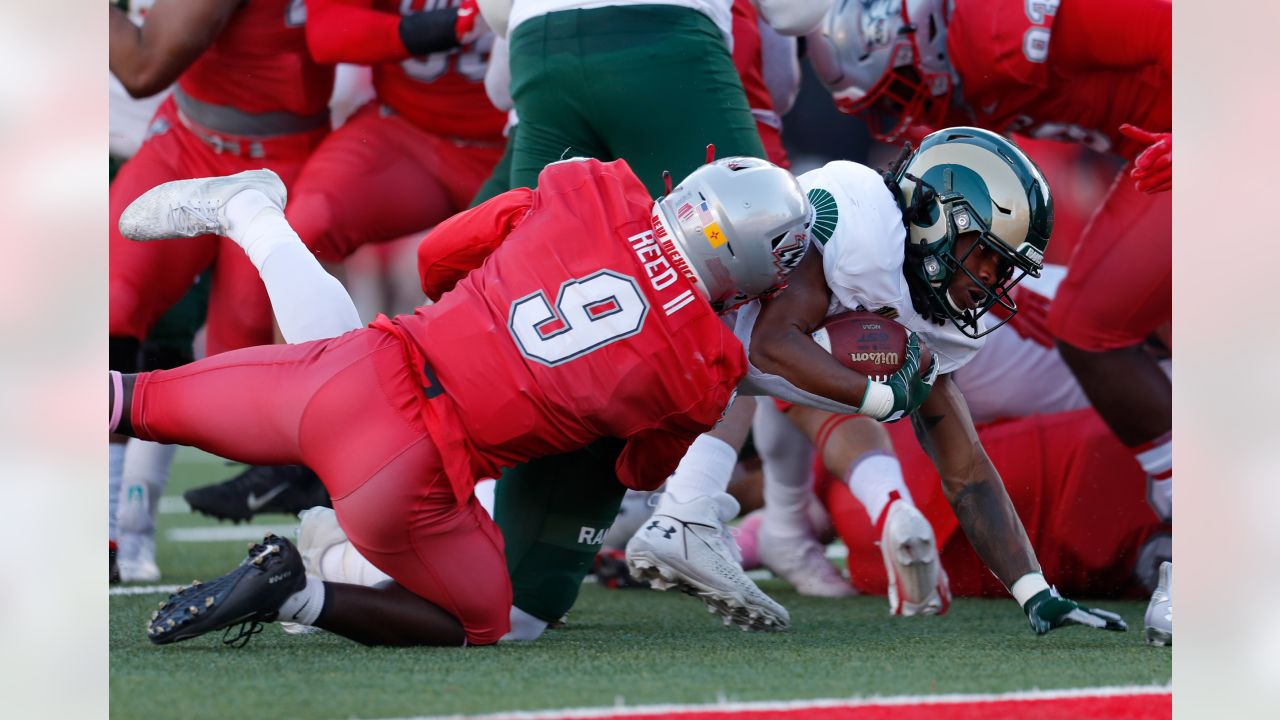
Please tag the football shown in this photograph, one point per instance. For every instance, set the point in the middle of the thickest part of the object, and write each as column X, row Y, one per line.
column 868, row 343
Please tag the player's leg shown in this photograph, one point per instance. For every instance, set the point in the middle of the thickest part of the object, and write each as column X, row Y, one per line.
column 554, row 513
column 553, row 104
column 786, row 542
column 686, row 543
column 361, row 432
column 1117, row 292
column 858, row 449
column 143, row 281
column 147, row 464
column 653, row 58
column 375, row 179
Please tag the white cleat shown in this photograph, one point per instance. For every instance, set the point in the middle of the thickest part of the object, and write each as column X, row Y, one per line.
column 136, row 558
column 801, row 561
column 318, row 531
column 686, row 546
column 1159, row 619
column 917, row 583
column 189, row 208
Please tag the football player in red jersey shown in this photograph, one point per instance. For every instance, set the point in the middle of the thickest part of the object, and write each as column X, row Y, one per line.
column 584, row 278
column 246, row 96
column 417, row 153
column 1089, row 71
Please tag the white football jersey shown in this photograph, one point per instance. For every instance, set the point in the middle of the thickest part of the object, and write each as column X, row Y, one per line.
column 858, row 229
column 1019, row 371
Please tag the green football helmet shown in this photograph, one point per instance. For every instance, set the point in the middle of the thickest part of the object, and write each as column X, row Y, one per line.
column 968, row 180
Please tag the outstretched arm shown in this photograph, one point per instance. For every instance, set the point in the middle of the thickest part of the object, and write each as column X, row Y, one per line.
column 150, row 58
column 978, row 497
column 972, row 484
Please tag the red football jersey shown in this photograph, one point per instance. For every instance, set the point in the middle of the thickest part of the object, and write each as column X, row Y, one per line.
column 442, row 93
column 1073, row 71
column 260, row 63
column 576, row 327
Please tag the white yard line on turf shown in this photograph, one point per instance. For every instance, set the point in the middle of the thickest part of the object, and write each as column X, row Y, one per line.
column 620, row 710
column 218, row 533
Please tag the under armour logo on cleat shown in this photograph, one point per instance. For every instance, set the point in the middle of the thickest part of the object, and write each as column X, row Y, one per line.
column 666, row 532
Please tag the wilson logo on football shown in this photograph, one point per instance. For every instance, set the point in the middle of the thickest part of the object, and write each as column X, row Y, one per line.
column 879, row 358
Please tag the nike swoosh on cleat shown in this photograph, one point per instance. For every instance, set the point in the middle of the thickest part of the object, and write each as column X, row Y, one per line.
column 257, row 502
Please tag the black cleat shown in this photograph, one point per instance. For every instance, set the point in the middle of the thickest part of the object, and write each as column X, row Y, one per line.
column 115, row 568
column 288, row 489
column 248, row 596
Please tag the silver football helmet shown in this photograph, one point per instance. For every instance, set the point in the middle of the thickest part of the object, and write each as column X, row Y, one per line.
column 736, row 228
column 886, row 60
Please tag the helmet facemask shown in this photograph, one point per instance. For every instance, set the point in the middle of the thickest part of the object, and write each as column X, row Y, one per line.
column 935, row 265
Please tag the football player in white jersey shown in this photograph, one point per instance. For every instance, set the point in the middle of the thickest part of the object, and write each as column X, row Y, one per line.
column 935, row 244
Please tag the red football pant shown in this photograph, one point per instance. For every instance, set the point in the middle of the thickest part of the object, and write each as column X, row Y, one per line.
column 347, row 408
column 1078, row 491
column 1119, row 284
column 146, row 279
column 380, row 177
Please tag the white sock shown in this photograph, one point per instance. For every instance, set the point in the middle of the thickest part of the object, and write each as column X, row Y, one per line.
column 303, row 607
column 309, row 303
column 704, row 470
column 115, row 470
column 243, row 211
column 787, row 457
column 343, row 563
column 524, row 627
column 146, row 472
column 873, row 477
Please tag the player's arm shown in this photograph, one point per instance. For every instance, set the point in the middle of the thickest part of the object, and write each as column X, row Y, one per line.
column 781, row 343
column 986, row 514
column 1113, row 34
column 460, row 244
column 352, row 31
column 150, row 58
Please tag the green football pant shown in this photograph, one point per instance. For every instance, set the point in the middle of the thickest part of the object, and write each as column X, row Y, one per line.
column 652, row 84
column 554, row 513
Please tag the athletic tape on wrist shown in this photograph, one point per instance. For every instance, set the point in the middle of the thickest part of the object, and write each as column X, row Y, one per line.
column 877, row 401
column 117, row 399
column 1027, row 587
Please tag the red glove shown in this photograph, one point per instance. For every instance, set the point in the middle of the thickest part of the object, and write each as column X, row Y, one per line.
column 469, row 25
column 1153, row 168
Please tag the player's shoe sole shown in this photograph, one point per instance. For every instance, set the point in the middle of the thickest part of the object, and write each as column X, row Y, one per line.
column 190, row 208
column 250, row 594
column 671, row 552
column 917, row 584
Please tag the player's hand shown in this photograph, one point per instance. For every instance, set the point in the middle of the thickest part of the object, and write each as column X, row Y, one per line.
column 909, row 388
column 1153, row 168
column 1047, row 610
column 470, row 24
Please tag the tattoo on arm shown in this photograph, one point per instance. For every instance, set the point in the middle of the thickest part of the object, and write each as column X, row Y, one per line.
column 990, row 522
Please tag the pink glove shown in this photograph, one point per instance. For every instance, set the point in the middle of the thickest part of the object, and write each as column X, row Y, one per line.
column 1153, row 168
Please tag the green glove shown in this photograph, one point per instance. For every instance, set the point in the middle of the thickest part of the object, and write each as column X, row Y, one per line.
column 1047, row 610
column 908, row 387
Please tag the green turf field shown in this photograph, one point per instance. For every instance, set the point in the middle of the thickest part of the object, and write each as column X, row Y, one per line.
column 635, row 646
